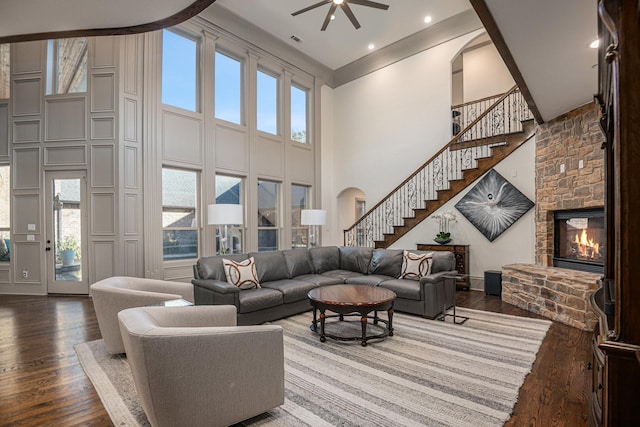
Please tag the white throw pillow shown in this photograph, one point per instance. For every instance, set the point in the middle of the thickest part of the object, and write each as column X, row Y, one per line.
column 241, row 274
column 416, row 266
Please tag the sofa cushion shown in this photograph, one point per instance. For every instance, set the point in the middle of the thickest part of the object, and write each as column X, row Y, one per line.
column 320, row 280
column 370, row 280
column 407, row 289
column 342, row 274
column 442, row 261
column 211, row 267
column 259, row 299
column 325, row 258
column 387, row 262
column 270, row 266
column 292, row 290
column 355, row 258
column 298, row 262
column 415, row 266
column 242, row 274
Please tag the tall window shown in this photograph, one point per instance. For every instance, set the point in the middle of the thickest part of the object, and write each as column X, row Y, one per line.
column 67, row 66
column 299, row 201
column 268, row 215
column 230, row 190
column 4, row 71
column 267, row 103
column 5, row 214
column 228, row 88
column 179, row 71
column 179, row 214
column 298, row 114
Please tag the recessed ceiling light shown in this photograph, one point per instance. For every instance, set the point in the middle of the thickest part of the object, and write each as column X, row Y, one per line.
column 594, row 44
column 371, row 46
column 333, row 17
column 427, row 19
column 338, row 1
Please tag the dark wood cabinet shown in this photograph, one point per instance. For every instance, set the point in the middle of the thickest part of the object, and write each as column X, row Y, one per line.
column 461, row 252
column 616, row 348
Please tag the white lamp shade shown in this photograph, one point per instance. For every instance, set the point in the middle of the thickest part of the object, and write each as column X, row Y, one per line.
column 224, row 214
column 313, row 217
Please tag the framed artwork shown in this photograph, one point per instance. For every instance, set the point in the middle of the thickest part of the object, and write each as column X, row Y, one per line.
column 493, row 205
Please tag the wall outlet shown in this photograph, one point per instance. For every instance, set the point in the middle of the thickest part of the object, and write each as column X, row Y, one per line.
column 580, row 164
column 25, row 274
column 31, row 227
column 562, row 168
column 31, row 237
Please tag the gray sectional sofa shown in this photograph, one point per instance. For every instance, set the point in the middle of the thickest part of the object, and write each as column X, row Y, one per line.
column 287, row 276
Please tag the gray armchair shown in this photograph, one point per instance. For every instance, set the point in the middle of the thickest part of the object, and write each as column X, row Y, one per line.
column 114, row 294
column 192, row 366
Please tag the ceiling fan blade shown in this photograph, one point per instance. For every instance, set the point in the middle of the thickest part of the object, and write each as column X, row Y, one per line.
column 313, row 6
column 347, row 11
column 328, row 18
column 370, row 4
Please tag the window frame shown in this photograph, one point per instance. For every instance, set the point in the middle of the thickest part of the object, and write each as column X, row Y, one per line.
column 278, row 110
column 300, row 227
column 278, row 220
column 242, row 75
column 307, row 106
column 240, row 229
column 198, row 68
column 51, row 80
column 7, row 206
column 196, row 213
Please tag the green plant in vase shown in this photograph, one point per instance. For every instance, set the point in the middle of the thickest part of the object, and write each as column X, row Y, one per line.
column 67, row 250
column 444, row 219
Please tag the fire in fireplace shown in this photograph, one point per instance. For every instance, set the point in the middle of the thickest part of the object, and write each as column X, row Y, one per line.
column 579, row 239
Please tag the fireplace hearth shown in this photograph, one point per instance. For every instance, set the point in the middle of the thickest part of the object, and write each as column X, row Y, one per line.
column 579, row 239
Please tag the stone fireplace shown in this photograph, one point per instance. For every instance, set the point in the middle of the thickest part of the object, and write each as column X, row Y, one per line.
column 569, row 176
column 579, row 239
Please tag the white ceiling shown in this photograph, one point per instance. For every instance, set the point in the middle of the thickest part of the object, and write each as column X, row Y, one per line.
column 341, row 43
column 549, row 40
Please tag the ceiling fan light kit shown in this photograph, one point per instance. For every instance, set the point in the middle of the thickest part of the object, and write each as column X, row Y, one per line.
column 344, row 5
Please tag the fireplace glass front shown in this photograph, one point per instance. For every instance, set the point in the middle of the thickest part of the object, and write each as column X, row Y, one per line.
column 580, row 240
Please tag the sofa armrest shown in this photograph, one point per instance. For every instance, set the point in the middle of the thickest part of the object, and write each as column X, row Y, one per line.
column 215, row 292
column 217, row 286
column 436, row 277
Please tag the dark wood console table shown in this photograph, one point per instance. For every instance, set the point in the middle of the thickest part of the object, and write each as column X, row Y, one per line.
column 461, row 252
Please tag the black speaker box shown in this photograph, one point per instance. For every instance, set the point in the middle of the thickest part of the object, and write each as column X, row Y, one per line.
column 493, row 282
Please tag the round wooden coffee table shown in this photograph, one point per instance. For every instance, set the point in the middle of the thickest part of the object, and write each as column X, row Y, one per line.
column 352, row 300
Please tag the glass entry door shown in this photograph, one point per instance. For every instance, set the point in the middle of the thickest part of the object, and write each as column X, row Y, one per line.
column 66, row 233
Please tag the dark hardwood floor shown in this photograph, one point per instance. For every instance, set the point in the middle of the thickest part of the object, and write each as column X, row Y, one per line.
column 42, row 383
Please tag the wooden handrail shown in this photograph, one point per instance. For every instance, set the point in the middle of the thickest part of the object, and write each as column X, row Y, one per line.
column 425, row 164
column 488, row 98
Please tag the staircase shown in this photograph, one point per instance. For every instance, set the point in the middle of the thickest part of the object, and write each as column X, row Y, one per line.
column 494, row 134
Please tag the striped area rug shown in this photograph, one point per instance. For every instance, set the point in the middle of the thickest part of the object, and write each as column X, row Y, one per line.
column 429, row 373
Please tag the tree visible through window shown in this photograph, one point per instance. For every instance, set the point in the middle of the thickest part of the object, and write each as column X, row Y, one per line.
column 179, row 71
column 298, row 114
column 67, row 66
column 179, row 214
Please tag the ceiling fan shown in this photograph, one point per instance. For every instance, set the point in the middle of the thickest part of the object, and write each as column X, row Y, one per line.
column 344, row 5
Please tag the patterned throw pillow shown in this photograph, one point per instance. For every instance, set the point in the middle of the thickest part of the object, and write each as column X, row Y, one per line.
column 415, row 266
column 241, row 274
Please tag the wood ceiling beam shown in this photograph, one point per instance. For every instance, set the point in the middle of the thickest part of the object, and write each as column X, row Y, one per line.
column 190, row 11
column 481, row 8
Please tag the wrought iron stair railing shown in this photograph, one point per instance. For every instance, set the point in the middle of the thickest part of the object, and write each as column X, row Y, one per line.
column 408, row 203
